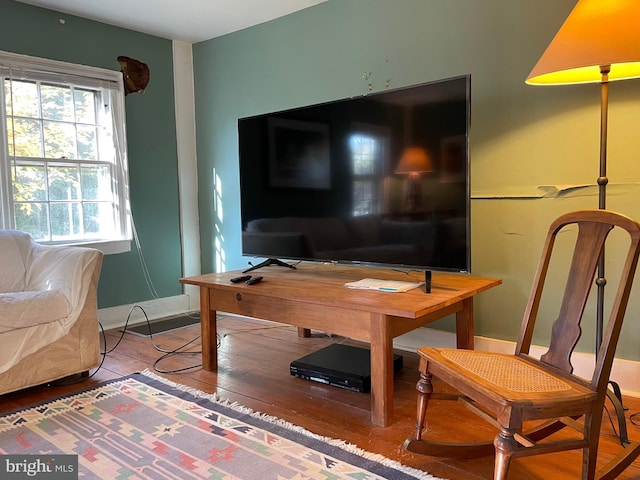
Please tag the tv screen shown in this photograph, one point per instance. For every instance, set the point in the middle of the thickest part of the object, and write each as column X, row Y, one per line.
column 381, row 180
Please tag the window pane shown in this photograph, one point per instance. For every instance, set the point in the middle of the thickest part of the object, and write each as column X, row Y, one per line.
column 64, row 182
column 65, row 221
column 56, row 103
column 363, row 197
column 364, row 166
column 59, row 140
column 25, row 136
column 29, row 183
column 91, row 219
column 364, row 155
column 85, row 106
column 32, row 218
column 21, row 98
column 96, row 183
column 102, row 214
column 87, row 142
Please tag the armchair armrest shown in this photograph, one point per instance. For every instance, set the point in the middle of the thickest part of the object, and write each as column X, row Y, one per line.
column 68, row 269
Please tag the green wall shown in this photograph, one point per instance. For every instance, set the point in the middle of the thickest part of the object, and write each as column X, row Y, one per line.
column 150, row 133
column 527, row 142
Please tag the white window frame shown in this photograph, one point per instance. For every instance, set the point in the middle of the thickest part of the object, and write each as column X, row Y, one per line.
column 21, row 67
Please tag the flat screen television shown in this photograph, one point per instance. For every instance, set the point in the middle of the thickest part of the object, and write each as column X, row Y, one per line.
column 380, row 179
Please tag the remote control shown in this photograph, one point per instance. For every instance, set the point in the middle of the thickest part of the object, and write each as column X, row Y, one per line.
column 243, row 278
column 253, row 280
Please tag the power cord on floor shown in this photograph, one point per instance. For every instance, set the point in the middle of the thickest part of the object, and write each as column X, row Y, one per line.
column 177, row 351
column 613, row 426
column 166, row 353
column 247, row 330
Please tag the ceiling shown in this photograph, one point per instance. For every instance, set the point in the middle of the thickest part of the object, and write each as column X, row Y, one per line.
column 187, row 20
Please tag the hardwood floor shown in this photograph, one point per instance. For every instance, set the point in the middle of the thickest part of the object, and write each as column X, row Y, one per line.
column 253, row 370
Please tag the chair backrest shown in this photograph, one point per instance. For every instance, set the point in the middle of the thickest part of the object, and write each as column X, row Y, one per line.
column 593, row 228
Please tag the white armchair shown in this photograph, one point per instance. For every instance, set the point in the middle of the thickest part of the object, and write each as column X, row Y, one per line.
column 48, row 311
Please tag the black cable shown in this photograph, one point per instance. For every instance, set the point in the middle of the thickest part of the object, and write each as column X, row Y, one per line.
column 167, row 353
column 613, row 426
column 177, row 351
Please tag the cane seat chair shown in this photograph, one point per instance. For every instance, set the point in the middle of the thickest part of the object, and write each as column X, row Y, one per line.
column 508, row 390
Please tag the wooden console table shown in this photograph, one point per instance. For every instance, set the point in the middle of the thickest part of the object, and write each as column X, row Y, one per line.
column 313, row 296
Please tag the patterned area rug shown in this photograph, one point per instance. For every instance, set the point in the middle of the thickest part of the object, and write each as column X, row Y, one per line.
column 146, row 427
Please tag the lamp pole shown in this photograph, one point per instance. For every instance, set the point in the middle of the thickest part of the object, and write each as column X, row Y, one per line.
column 601, row 281
column 616, row 396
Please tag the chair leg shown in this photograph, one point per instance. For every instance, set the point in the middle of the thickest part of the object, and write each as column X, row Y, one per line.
column 425, row 389
column 505, row 445
column 592, row 424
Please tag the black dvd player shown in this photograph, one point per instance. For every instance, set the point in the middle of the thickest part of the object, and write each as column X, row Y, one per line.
column 339, row 365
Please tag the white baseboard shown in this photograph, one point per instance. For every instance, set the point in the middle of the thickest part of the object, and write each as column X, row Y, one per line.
column 116, row 317
column 625, row 373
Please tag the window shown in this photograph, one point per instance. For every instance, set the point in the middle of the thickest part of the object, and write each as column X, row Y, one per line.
column 368, row 160
column 63, row 168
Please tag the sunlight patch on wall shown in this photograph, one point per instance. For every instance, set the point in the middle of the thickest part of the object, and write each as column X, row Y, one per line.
column 219, row 251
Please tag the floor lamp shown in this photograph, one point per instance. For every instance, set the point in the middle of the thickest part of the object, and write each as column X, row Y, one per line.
column 598, row 43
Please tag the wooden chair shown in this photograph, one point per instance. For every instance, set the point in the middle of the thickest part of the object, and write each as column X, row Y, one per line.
column 508, row 390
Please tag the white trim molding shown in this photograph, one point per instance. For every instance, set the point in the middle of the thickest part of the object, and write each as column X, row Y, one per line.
column 116, row 317
column 187, row 162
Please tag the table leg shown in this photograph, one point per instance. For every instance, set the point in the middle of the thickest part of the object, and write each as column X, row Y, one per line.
column 209, row 332
column 304, row 332
column 381, row 371
column 464, row 325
